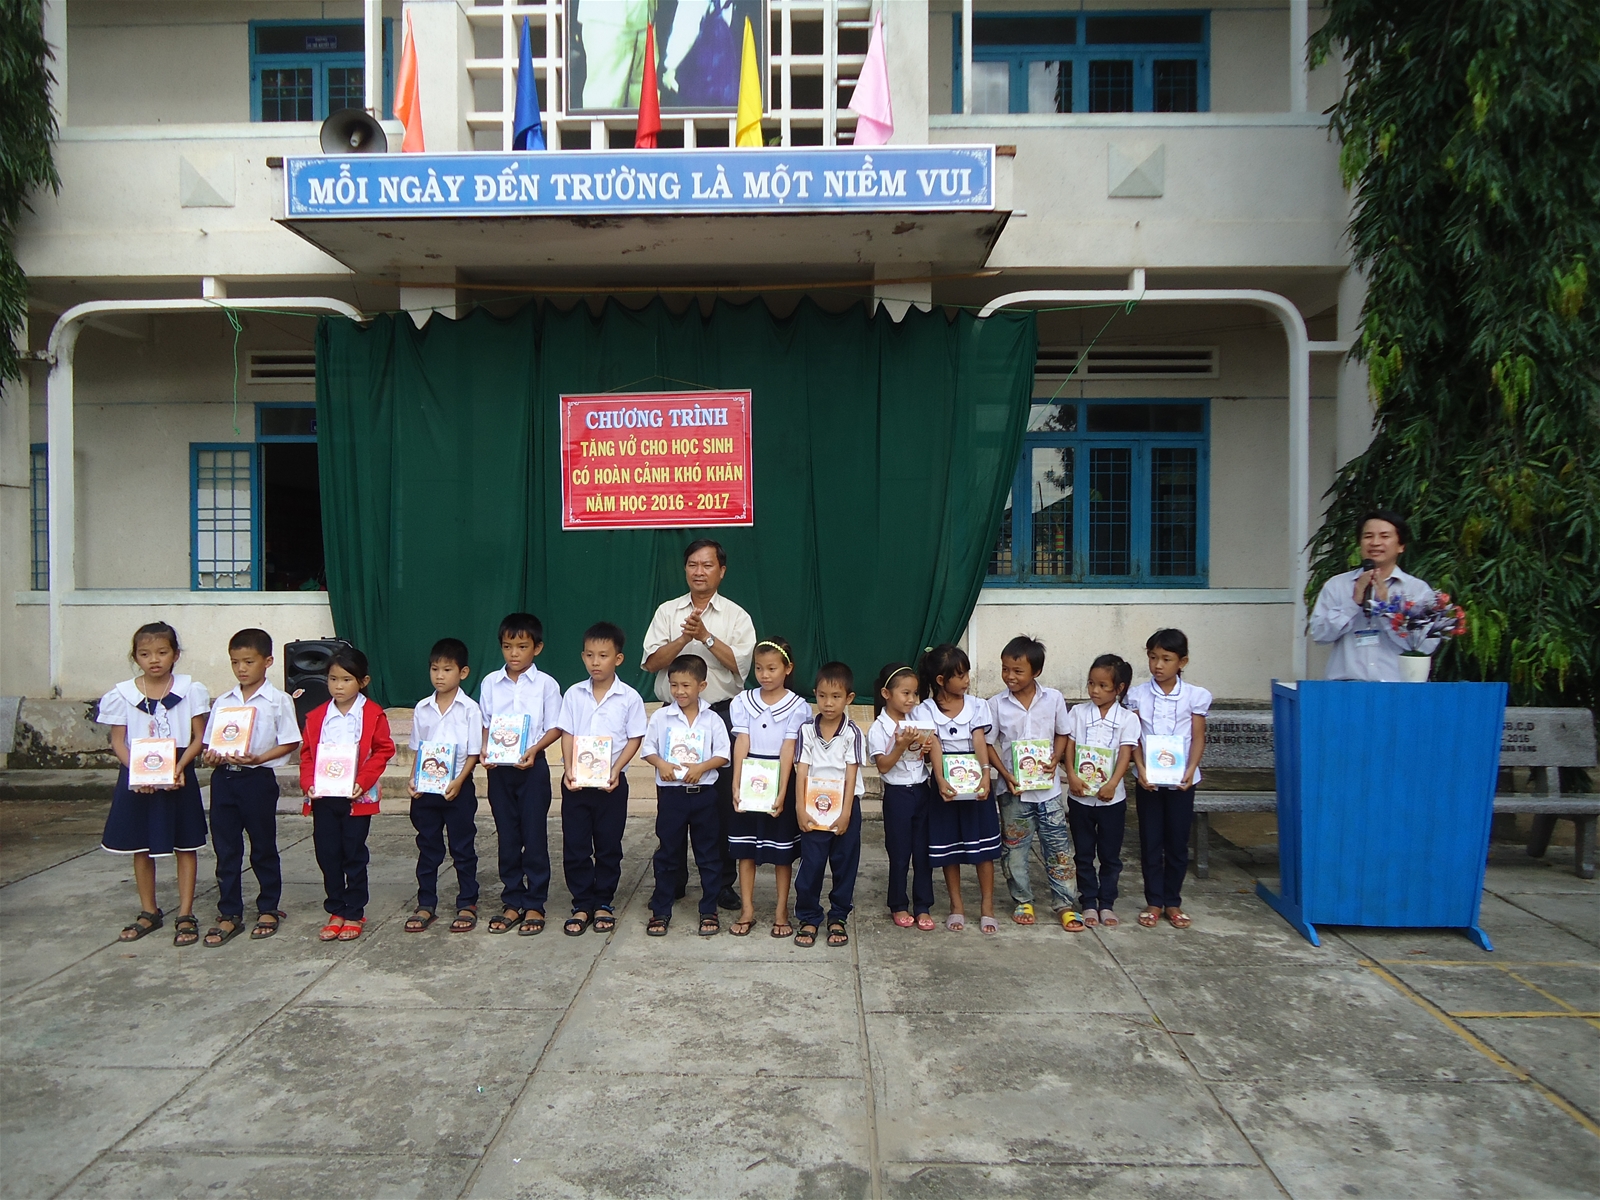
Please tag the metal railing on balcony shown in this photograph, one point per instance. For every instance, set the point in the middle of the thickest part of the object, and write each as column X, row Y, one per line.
column 817, row 50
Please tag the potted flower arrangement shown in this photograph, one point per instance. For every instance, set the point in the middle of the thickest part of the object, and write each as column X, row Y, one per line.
column 1419, row 622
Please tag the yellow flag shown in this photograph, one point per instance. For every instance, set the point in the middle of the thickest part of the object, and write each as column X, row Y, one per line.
column 749, row 92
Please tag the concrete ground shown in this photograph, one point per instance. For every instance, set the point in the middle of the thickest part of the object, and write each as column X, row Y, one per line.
column 1230, row 1060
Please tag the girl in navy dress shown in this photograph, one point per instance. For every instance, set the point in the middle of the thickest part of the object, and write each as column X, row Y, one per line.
column 959, row 831
column 766, row 724
column 901, row 754
column 151, row 823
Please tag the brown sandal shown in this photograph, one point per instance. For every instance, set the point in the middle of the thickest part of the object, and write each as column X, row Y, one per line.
column 265, row 928
column 466, row 920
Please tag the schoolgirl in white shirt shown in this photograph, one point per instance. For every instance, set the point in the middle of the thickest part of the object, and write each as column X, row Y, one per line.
column 766, row 724
column 960, row 831
column 901, row 753
column 1168, row 706
column 1101, row 738
column 152, row 823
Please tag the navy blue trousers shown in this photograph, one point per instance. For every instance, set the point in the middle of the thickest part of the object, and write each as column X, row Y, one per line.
column 1165, row 815
column 340, row 841
column 1097, row 831
column 245, row 801
column 695, row 809
column 520, row 802
column 447, row 824
column 905, row 836
column 592, row 821
column 840, row 854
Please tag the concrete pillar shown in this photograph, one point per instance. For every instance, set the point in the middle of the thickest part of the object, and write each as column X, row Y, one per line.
column 55, row 34
column 423, row 302
column 443, row 40
column 1299, row 33
column 897, row 298
column 1353, row 405
column 905, row 33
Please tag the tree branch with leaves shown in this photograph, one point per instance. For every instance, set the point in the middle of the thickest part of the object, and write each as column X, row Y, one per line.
column 27, row 129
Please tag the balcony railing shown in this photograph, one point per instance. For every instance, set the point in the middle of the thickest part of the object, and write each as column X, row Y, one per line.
column 817, row 49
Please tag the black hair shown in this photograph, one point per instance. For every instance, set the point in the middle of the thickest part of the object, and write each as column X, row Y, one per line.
column 258, row 640
column 605, row 631
column 1023, row 646
column 521, row 622
column 836, row 672
column 1171, row 640
column 891, row 672
column 941, row 661
column 702, row 543
column 350, row 660
column 453, row 649
column 1121, row 672
column 1401, row 528
column 156, row 629
column 688, row 664
column 785, row 652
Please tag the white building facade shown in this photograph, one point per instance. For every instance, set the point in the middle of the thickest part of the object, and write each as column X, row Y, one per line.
column 1143, row 150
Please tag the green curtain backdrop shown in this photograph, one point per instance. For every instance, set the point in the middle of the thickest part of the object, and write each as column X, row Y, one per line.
column 883, row 453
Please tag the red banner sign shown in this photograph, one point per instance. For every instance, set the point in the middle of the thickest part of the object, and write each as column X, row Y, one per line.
column 656, row 460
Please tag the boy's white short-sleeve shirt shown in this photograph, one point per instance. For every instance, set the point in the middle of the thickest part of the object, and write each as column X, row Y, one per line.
column 768, row 726
column 1044, row 719
column 275, row 721
column 1119, row 727
column 533, row 692
column 669, row 716
column 1169, row 713
column 912, row 769
column 172, row 716
column 461, row 725
column 618, row 715
column 827, row 758
column 955, row 733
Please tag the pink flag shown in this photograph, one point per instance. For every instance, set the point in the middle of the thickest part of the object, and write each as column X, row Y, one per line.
column 870, row 101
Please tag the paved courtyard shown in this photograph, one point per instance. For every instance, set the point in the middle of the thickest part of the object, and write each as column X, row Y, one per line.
column 1231, row 1060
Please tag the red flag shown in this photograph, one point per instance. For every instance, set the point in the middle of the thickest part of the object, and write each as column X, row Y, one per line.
column 407, row 95
column 644, row 137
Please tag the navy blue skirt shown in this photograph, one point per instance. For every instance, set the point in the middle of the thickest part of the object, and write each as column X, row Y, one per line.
column 963, row 831
column 770, row 841
column 155, row 823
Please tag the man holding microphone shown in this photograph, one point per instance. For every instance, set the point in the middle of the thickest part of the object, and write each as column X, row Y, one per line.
column 1364, row 646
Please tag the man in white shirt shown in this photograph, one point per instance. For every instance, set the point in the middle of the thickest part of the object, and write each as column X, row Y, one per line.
column 1365, row 647
column 711, row 627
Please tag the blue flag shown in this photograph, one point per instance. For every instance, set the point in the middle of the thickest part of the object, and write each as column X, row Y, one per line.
column 528, row 131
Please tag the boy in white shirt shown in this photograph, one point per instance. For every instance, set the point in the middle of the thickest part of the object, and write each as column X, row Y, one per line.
column 1169, row 707
column 244, row 790
column 448, row 815
column 519, row 794
column 1026, row 711
column 593, row 818
column 831, row 747
column 686, row 742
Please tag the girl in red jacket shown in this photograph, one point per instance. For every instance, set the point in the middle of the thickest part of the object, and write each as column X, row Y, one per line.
column 339, row 824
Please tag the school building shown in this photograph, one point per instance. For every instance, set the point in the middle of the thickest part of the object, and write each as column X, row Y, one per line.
column 159, row 458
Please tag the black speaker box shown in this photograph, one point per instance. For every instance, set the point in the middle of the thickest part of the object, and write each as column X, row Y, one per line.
column 305, row 672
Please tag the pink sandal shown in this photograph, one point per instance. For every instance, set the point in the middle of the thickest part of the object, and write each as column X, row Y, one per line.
column 926, row 923
column 904, row 920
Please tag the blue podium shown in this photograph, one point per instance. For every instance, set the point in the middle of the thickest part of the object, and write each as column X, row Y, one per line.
column 1385, row 797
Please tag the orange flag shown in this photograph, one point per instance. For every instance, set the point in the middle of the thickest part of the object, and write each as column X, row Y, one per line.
column 407, row 95
column 644, row 138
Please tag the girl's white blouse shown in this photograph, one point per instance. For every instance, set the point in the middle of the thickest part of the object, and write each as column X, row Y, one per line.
column 120, row 706
column 955, row 733
column 768, row 726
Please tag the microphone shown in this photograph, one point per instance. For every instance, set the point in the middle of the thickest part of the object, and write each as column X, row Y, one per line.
column 1368, row 565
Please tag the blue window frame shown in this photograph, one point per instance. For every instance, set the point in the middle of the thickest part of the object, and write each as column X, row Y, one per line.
column 1109, row 492
column 304, row 70
column 224, row 540
column 1078, row 62
column 286, row 422
column 39, row 515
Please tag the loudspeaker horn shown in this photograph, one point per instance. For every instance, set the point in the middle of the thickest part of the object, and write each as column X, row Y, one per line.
column 353, row 131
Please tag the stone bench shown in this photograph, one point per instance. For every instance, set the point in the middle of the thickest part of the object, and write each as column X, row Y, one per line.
column 1541, row 740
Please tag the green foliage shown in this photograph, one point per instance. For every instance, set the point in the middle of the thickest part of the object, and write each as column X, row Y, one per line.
column 27, row 127
column 1471, row 133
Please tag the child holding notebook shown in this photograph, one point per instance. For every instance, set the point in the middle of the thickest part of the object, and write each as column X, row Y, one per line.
column 447, row 735
column 829, row 783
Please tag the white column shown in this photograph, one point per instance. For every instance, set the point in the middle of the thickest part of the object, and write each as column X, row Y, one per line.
column 55, row 35
column 905, row 33
column 966, row 57
column 897, row 298
column 372, row 19
column 62, row 490
column 1299, row 34
column 1353, row 406
column 830, row 73
column 423, row 302
column 443, row 39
